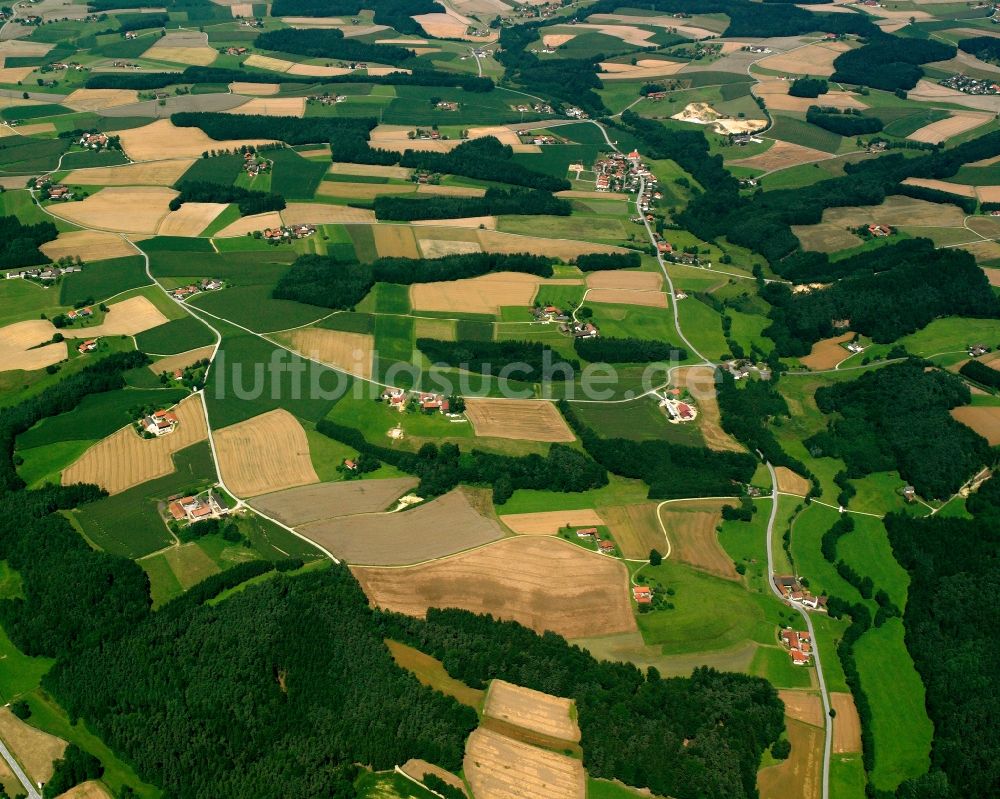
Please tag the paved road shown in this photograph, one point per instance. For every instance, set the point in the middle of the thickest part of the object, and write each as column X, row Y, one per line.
column 29, row 786
column 828, row 726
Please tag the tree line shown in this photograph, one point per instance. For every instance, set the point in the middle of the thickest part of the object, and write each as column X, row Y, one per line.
column 608, row 349
column 291, row 130
column 250, row 202
column 600, row 261
column 494, row 203
column 979, row 372
column 331, row 43
column 523, row 361
column 20, row 242
column 843, row 121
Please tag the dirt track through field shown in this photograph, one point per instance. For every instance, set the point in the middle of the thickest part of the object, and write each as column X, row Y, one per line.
column 523, row 420
column 498, row 767
column 351, row 352
column 124, row 209
column 124, row 459
column 691, row 528
column 532, row 710
column 18, row 339
column 540, row 581
column 296, row 506
column 266, row 453
column 549, row 522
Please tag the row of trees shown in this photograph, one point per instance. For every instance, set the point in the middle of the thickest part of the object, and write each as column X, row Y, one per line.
column 291, row 130
column 494, row 203
column 600, row 261
column 979, row 372
column 525, row 361
column 250, row 202
column 967, row 204
column 627, row 350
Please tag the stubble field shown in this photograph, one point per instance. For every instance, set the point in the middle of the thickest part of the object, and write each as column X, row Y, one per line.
column 297, row 506
column 523, row 420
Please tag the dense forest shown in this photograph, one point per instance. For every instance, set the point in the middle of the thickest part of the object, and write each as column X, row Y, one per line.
column 600, row 261
column 808, row 87
column 979, row 372
column 889, row 62
column 843, row 122
column 896, row 417
column 985, row 48
column 494, row 203
column 671, row 471
column 608, row 349
column 20, row 242
column 331, row 43
column 522, row 361
column 250, row 202
column 290, row 130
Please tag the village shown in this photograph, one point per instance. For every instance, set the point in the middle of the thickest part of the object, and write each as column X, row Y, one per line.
column 403, row 400
column 969, row 85
column 285, row 233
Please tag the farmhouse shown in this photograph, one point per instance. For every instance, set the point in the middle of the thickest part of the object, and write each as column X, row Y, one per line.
column 799, row 645
column 548, row 313
column 87, row 346
column 197, row 508
column 587, row 532
column 447, row 105
column 879, row 231
column 59, row 192
column 580, row 329
column 236, row 51
column 642, row 594
column 977, row 350
column 160, row 423
column 78, row 313
column 286, row 233
column 93, row 141
column 606, row 547
column 678, row 411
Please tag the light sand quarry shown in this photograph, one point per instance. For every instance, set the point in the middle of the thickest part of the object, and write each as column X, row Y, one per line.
column 273, row 107
column 266, row 453
column 827, row 353
column 97, row 99
column 813, row 59
column 90, row 245
column 484, row 294
column 942, row 130
column 691, row 528
column 17, row 339
column 152, row 173
column 442, row 527
column 985, row 420
column 395, row 241
column 498, row 767
column 260, row 89
column 124, row 459
column 775, row 94
column 181, row 361
column 125, row 209
column 248, row 224
column 791, row 483
column 190, row 219
column 564, row 249
column 799, row 775
column 297, row 506
column 699, row 381
column 542, row 582
column 35, row 750
column 532, row 710
column 636, row 529
column 550, row 522
column 160, row 140
column 847, row 725
column 125, row 318
column 325, row 214
column 803, row 706
column 522, row 420
column 349, row 352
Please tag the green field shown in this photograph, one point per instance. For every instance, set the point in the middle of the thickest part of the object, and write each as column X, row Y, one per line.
column 23, row 299
column 103, row 279
column 180, row 335
column 391, row 298
column 393, row 341
column 222, row 169
column 798, row 131
column 254, row 308
column 295, row 177
column 775, row 664
column 349, row 322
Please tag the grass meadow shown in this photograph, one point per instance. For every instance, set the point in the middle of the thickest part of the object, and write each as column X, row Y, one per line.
column 179, row 335
column 103, row 279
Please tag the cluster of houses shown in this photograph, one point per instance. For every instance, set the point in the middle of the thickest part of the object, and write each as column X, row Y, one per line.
column 604, row 546
column 575, row 113
column 967, row 85
column 533, row 108
column 209, row 284
column 423, row 134
column 854, row 347
column 287, row 232
column 677, row 409
column 446, row 105
column 50, row 190
column 978, row 350
column 159, row 423
column 529, row 137
column 425, row 176
column 234, row 50
column 46, row 275
column 327, row 99
column 580, row 329
column 95, row 141
column 400, row 399
column 619, row 172
column 759, row 49
column 798, row 644
column 60, row 66
column 196, row 508
column 252, row 23
column 79, row 313
column 253, row 165
column 87, row 346
column 525, row 11
column 743, row 139
column 118, row 64
column 741, row 368
column 879, row 231
column 549, row 313
column 793, row 590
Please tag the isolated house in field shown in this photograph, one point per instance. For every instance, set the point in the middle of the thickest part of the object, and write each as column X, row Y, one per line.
column 587, row 532
column 87, row 346
column 350, row 465
column 606, row 547
column 77, row 313
column 880, row 231
column 159, row 423
column 642, row 594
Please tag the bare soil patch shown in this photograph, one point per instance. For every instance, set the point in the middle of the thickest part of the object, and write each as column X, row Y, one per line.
column 266, row 453
column 958, row 122
column 791, row 483
column 803, row 706
column 351, row 352
column 96, row 99
column 392, row 241
column 566, row 249
column 533, row 710
column 315, row 70
column 549, row 522
column 498, row 767
column 248, row 224
column 985, row 420
column 152, row 173
column 635, row 529
column 296, row 506
column 123, row 459
column 90, row 245
column 16, row 341
column 523, row 420
column 847, row 724
column 827, row 353
column 542, row 582
column 813, row 59
column 699, row 381
column 181, row 361
column 693, row 537
column 125, row 318
column 651, row 299
column 35, row 750
column 128, row 209
column 273, row 107
column 325, row 214
column 162, row 140
column 190, row 219
column 446, row 525
column 781, row 155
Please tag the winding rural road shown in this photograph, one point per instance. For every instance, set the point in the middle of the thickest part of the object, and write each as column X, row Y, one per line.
column 29, row 786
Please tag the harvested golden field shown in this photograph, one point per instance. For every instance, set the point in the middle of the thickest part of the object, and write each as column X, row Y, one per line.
column 693, row 538
column 190, row 219
column 574, row 194
column 419, row 769
column 847, row 724
column 649, row 299
column 555, row 40
column 625, row 279
column 261, row 89
column 90, row 245
column 781, row 155
column 248, row 224
column 445, row 525
column 475, row 295
column 898, row 211
column 438, row 248
column 813, row 59
column 125, row 318
column 566, row 249
column 791, row 483
column 266, row 62
column 124, row 459
column 361, row 191
column 183, row 47
column 395, row 241
column 315, row 70
column 523, row 420
column 803, row 706
column 984, row 419
column 310, row 503
column 87, row 790
column 699, row 381
column 16, row 341
column 502, row 133
column 542, row 582
column 162, row 140
column 449, row 25
column 630, row 34
column 993, row 275
column 827, row 353
column 35, row 750
column 550, row 522
column 36, row 129
column 96, row 99
column 325, row 214
column 942, row 130
column 532, row 710
column 775, row 94
column 273, row 107
column 450, row 191
column 635, row 529
column 349, row 352
column 395, row 137
column 181, row 361
column 153, row 173
column 485, row 222
column 645, row 68
column 14, row 74
column 826, row 237
column 799, row 775
column 498, row 767
column 659, row 21
column 266, row 453
column 984, row 251
column 375, row 170
column 127, row 209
